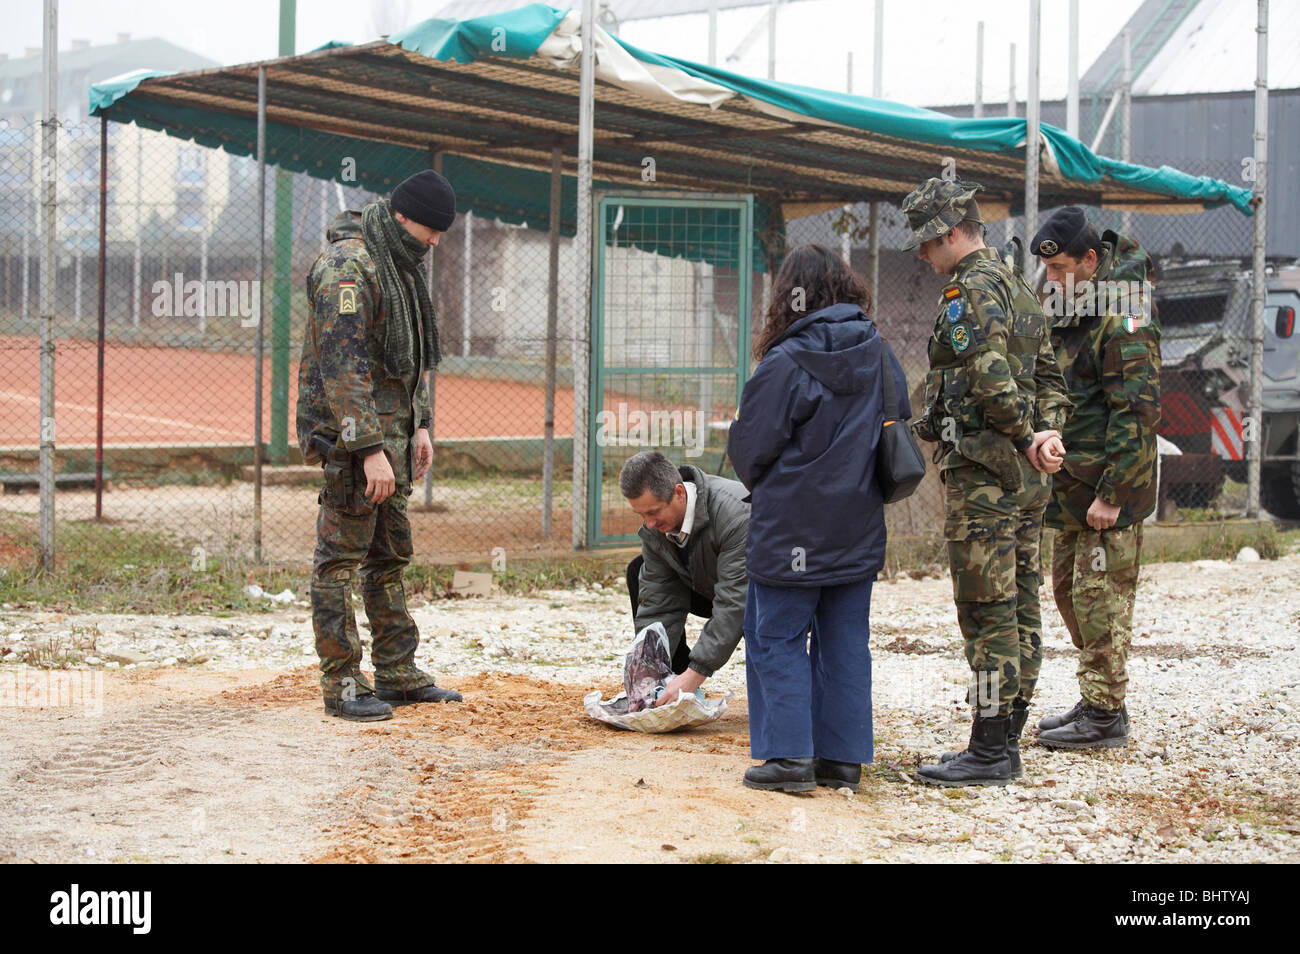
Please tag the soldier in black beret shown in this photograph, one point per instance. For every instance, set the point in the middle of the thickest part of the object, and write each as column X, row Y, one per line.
column 1107, row 342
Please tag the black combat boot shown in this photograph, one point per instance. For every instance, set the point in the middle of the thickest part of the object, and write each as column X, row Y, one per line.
column 1065, row 718
column 429, row 693
column 984, row 762
column 364, row 708
column 784, row 775
column 1015, row 726
column 1093, row 729
column 837, row 775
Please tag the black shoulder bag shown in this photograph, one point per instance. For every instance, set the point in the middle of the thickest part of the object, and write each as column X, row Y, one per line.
column 899, row 463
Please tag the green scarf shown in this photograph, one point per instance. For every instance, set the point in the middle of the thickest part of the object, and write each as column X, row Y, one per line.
column 395, row 251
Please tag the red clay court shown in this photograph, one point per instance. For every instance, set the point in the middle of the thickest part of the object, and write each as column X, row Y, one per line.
column 158, row 395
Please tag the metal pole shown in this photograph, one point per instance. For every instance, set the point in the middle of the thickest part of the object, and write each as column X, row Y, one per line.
column 1011, row 111
column 977, row 111
column 846, row 240
column 1105, row 120
column 1254, row 447
column 281, row 279
column 1031, row 137
column 1126, row 121
column 431, row 375
column 1072, row 93
column 49, row 185
column 873, row 210
column 465, row 284
column 99, row 347
column 138, row 258
column 713, row 33
column 583, row 249
column 261, row 314
column 552, row 324
column 771, row 42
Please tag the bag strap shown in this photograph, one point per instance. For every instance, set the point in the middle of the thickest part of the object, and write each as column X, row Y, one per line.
column 890, row 398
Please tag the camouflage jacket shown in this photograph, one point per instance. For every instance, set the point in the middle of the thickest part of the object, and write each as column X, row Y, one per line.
column 343, row 391
column 993, row 377
column 1108, row 345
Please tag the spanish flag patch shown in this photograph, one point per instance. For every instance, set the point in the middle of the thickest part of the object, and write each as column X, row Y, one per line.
column 951, row 292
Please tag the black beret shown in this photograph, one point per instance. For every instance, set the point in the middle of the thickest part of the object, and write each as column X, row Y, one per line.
column 426, row 198
column 1059, row 231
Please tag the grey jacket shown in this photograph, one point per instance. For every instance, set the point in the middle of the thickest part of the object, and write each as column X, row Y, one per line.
column 715, row 569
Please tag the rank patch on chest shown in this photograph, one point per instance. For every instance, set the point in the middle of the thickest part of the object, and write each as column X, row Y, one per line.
column 347, row 298
column 955, row 310
column 951, row 292
column 960, row 338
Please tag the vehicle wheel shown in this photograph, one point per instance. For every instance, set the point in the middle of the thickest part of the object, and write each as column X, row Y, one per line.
column 1279, row 491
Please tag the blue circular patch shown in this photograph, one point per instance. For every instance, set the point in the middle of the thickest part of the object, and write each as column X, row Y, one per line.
column 955, row 310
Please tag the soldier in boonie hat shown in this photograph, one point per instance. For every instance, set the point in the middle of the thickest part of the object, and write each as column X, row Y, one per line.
column 937, row 205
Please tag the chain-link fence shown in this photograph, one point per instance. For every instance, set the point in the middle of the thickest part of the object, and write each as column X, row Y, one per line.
column 183, row 294
column 1203, row 296
column 182, row 300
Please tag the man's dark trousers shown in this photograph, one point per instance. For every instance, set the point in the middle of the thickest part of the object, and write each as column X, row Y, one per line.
column 701, row 605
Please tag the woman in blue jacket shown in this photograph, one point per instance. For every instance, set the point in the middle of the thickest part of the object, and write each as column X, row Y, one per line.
column 804, row 444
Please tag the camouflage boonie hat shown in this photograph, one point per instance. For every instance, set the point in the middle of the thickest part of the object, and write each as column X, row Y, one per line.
column 936, row 206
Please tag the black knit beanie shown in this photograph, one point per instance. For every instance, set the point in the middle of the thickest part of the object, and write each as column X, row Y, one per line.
column 426, row 198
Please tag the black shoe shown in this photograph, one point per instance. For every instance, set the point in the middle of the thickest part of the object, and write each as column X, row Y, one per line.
column 1094, row 729
column 985, row 761
column 782, row 775
column 837, row 775
column 1065, row 718
column 365, row 708
column 1015, row 726
column 429, row 693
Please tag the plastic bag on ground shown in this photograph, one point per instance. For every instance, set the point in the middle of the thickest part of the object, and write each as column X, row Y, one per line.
column 646, row 669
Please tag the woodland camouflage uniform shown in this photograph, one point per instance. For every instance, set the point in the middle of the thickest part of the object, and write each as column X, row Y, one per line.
column 1108, row 346
column 346, row 396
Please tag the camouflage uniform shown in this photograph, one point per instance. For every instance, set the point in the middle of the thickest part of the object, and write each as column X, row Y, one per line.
column 345, row 396
column 993, row 381
column 1109, row 350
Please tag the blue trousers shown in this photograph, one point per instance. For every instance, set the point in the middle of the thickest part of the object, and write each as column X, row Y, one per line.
column 809, row 698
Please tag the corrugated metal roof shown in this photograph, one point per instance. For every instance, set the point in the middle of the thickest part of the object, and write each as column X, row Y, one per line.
column 1213, row 51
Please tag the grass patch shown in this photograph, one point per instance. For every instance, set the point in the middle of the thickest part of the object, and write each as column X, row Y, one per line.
column 714, row 858
column 102, row 568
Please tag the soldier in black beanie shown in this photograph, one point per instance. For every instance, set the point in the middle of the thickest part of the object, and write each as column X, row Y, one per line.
column 363, row 411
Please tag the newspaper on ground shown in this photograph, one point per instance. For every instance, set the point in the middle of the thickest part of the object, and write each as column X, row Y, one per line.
column 646, row 669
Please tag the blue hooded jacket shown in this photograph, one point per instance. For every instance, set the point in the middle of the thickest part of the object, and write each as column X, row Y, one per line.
column 804, row 445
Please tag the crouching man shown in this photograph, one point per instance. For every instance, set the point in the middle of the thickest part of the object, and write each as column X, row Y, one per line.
column 692, row 561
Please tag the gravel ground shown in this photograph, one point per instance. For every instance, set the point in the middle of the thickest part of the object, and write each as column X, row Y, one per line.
column 1211, row 772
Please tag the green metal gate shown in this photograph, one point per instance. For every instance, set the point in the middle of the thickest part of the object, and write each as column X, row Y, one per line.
column 670, row 339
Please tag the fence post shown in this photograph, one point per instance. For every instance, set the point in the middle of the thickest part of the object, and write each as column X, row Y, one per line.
column 99, row 372
column 552, row 324
column 49, row 185
column 261, row 314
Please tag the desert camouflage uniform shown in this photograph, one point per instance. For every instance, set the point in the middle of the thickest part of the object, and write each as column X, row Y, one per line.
column 1111, row 363
column 345, row 395
column 993, row 381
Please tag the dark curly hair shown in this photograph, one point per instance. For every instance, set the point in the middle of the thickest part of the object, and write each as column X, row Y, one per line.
column 811, row 277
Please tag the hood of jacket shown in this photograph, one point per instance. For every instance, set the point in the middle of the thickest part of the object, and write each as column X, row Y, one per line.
column 345, row 225
column 838, row 346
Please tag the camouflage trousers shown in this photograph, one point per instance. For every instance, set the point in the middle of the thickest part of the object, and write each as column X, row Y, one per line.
column 355, row 533
column 993, row 538
column 1094, row 580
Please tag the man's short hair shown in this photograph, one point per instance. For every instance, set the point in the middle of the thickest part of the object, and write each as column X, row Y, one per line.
column 652, row 471
column 972, row 230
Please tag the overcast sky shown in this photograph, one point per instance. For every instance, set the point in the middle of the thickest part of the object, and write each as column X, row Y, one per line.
column 929, row 44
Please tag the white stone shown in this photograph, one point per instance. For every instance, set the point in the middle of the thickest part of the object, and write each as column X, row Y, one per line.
column 1248, row 555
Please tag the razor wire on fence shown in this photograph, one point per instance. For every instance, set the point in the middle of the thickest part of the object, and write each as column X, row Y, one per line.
column 182, row 295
